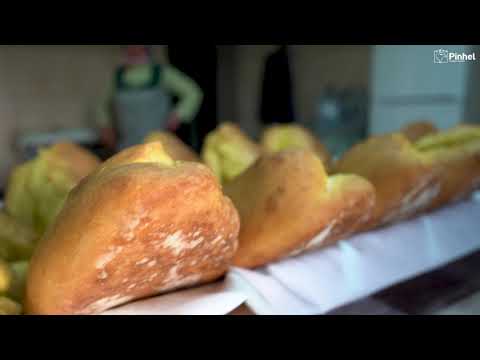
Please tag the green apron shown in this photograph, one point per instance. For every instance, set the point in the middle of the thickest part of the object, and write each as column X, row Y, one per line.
column 140, row 110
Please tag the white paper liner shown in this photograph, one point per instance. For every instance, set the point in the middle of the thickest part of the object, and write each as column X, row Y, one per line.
column 368, row 263
column 215, row 299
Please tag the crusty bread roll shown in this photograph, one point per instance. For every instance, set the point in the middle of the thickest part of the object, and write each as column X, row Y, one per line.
column 174, row 147
column 456, row 154
column 135, row 228
column 286, row 199
column 419, row 129
column 279, row 137
column 406, row 183
column 37, row 189
column 228, row 151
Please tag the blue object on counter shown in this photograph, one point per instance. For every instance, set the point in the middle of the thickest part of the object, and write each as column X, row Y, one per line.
column 341, row 118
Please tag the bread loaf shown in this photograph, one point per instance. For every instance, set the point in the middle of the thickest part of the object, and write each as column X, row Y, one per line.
column 288, row 204
column 141, row 225
column 406, row 183
column 37, row 189
column 456, row 155
column 284, row 137
column 229, row 152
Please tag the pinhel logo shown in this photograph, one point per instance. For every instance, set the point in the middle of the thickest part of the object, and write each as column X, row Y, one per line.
column 442, row 56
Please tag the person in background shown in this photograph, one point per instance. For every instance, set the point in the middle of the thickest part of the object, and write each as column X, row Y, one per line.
column 140, row 99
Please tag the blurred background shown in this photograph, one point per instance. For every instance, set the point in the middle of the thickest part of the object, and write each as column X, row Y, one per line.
column 341, row 92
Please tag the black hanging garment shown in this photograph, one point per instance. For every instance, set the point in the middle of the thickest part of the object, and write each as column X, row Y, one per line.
column 277, row 89
column 200, row 63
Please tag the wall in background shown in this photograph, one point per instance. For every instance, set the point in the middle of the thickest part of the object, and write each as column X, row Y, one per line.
column 316, row 66
column 50, row 87
column 47, row 87
column 313, row 67
column 407, row 85
column 249, row 63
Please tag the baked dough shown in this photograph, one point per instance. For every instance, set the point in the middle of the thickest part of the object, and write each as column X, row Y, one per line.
column 37, row 189
column 137, row 227
column 228, row 151
column 288, row 204
column 283, row 137
column 456, row 155
column 406, row 182
column 174, row 147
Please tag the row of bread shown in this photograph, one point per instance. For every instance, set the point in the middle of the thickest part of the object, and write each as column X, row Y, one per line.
column 153, row 218
column 290, row 201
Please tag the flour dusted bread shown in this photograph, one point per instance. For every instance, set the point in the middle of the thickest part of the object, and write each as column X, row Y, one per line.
column 456, row 155
column 284, row 137
column 174, row 147
column 288, row 205
column 139, row 226
column 406, row 183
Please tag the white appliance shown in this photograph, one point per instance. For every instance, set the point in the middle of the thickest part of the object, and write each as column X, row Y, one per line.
column 408, row 85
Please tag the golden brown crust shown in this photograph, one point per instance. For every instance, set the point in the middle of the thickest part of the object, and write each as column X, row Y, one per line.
column 456, row 155
column 153, row 152
column 283, row 137
column 293, row 202
column 419, row 129
column 131, row 231
column 174, row 147
column 405, row 182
